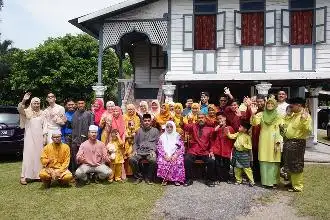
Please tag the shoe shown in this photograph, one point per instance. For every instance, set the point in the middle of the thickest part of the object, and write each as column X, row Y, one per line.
column 23, row 181
column 210, row 183
column 188, row 183
column 137, row 181
column 251, row 184
column 237, row 183
column 148, row 182
column 177, row 184
column 293, row 190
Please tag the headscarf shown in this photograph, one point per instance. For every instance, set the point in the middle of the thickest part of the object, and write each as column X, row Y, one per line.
column 209, row 118
column 171, row 103
column 30, row 113
column 162, row 118
column 112, row 104
column 155, row 113
column 98, row 111
column 191, row 114
column 269, row 116
column 177, row 117
column 145, row 104
column 134, row 118
column 169, row 140
column 119, row 123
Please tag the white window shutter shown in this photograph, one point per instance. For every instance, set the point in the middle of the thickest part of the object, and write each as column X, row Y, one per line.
column 285, row 26
column 270, row 27
column 221, row 21
column 188, row 31
column 320, row 25
column 238, row 28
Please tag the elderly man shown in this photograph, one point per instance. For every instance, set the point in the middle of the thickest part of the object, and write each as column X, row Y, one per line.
column 297, row 127
column 144, row 148
column 282, row 104
column 200, row 145
column 92, row 158
column 55, row 116
column 55, row 158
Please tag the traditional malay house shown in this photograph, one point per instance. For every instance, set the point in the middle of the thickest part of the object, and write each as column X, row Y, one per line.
column 181, row 47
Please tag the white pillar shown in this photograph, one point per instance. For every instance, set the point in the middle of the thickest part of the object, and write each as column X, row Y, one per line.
column 99, row 91
column 314, row 104
column 263, row 88
column 168, row 92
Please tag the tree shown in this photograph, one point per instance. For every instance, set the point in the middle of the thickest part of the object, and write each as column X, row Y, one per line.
column 66, row 66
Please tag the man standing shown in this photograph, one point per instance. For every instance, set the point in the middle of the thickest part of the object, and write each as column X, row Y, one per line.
column 200, row 145
column 92, row 157
column 282, row 104
column 55, row 158
column 205, row 96
column 144, row 147
column 255, row 137
column 225, row 99
column 67, row 128
column 81, row 120
column 297, row 127
column 187, row 110
column 55, row 116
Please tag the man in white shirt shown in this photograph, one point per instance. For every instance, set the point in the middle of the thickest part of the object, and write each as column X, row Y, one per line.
column 282, row 104
column 55, row 116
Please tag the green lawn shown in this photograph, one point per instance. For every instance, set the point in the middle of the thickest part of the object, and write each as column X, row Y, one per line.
column 94, row 201
column 315, row 199
column 322, row 136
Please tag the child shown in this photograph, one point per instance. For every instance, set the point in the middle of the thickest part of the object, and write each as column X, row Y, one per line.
column 118, row 159
column 221, row 148
column 241, row 156
column 129, row 141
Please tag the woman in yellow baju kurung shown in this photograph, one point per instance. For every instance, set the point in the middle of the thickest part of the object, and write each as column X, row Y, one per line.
column 178, row 108
column 192, row 118
column 270, row 141
column 132, row 125
column 164, row 116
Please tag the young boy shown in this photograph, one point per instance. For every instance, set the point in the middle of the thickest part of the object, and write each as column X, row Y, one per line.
column 221, row 148
column 116, row 163
column 241, row 156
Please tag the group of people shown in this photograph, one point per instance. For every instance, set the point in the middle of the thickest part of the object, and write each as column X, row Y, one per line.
column 258, row 138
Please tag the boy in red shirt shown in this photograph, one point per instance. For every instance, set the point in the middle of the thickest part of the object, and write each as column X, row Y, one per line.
column 221, row 149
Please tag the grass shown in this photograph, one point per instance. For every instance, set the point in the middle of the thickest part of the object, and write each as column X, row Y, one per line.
column 315, row 199
column 94, row 201
column 322, row 136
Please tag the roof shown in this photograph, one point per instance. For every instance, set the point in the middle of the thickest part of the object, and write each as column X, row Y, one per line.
column 91, row 23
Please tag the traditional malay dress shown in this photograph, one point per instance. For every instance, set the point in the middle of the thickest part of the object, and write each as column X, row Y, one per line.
column 162, row 118
column 177, row 118
column 54, row 116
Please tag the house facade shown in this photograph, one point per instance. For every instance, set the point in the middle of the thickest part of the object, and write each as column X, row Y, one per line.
column 181, row 47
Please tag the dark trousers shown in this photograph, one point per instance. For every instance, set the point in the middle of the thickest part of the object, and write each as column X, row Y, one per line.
column 73, row 160
column 256, row 167
column 189, row 160
column 136, row 168
column 222, row 168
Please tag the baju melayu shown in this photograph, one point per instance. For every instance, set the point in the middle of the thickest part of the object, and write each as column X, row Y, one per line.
column 269, row 152
column 55, row 157
column 92, row 158
column 55, row 117
column 241, row 156
column 67, row 129
column 296, row 131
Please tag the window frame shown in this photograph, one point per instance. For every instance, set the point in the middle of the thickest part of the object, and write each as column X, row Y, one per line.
column 252, row 49
column 192, row 32
column 302, row 47
column 160, row 54
column 205, row 3
column 205, row 52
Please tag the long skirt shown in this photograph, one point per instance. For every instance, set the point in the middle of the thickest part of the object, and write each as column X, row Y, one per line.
column 270, row 173
column 171, row 170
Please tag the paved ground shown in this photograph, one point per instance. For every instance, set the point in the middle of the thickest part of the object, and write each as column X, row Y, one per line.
column 225, row 201
column 319, row 153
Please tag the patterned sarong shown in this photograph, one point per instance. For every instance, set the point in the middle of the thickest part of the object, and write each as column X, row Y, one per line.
column 293, row 155
column 241, row 159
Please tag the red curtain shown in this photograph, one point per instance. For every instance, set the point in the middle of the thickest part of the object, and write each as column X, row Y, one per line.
column 301, row 27
column 253, row 29
column 205, row 32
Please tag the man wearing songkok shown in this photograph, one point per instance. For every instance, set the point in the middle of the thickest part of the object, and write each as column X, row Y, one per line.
column 55, row 158
column 55, row 116
column 92, row 158
column 297, row 127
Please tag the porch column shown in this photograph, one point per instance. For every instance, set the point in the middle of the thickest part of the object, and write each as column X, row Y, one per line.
column 99, row 88
column 263, row 88
column 314, row 103
column 168, row 92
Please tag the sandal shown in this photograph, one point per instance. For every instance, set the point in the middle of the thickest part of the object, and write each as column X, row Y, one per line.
column 23, row 181
column 177, row 184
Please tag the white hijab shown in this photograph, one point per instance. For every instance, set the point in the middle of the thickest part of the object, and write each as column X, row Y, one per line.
column 169, row 140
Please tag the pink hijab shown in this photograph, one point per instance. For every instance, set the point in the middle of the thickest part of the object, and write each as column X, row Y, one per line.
column 119, row 123
column 98, row 111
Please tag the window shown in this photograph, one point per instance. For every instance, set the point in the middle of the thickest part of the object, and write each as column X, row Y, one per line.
column 303, row 24
column 205, row 29
column 157, row 57
column 253, row 25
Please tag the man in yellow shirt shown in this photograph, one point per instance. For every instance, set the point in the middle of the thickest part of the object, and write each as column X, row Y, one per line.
column 296, row 128
column 55, row 159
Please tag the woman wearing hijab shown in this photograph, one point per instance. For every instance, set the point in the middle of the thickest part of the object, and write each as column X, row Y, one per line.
column 143, row 108
column 211, row 118
column 172, row 106
column 178, row 109
column 106, row 120
column 170, row 160
column 195, row 109
column 163, row 116
column 132, row 125
column 270, row 142
column 155, row 108
column 98, row 110
column 35, row 137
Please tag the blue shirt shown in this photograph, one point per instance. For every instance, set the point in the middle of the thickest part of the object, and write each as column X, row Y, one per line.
column 186, row 111
column 67, row 128
column 205, row 109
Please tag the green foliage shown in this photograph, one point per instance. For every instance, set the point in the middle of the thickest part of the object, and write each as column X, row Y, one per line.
column 66, row 66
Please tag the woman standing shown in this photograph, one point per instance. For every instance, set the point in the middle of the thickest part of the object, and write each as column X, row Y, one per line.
column 211, row 119
column 98, row 110
column 143, row 108
column 35, row 137
column 155, row 108
column 270, row 142
column 170, row 150
column 178, row 109
column 106, row 120
column 163, row 116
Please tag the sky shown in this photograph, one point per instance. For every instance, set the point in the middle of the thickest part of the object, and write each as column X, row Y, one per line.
column 30, row 22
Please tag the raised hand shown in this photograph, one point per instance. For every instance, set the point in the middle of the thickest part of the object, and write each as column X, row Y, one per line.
column 254, row 109
column 247, row 101
column 27, row 96
column 227, row 91
column 304, row 114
